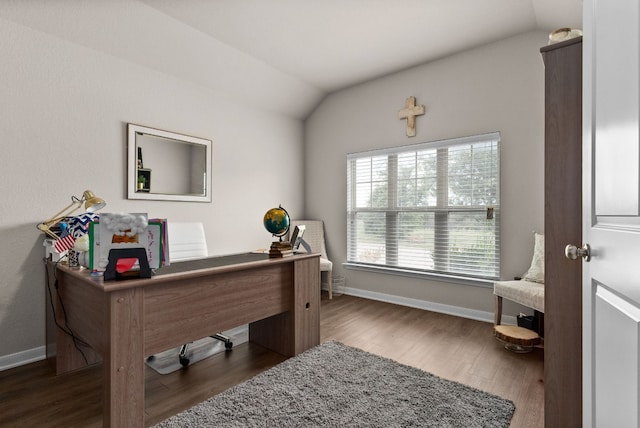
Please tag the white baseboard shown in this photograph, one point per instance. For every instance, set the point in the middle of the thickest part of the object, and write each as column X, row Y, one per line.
column 428, row 306
column 23, row 357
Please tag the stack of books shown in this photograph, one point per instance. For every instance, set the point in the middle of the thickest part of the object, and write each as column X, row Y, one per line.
column 280, row 249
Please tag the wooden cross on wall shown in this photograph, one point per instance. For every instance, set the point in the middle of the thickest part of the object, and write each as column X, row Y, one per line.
column 409, row 112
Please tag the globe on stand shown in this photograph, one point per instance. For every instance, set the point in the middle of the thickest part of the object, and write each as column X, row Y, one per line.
column 277, row 222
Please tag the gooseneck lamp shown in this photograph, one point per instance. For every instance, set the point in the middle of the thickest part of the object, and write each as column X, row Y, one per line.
column 91, row 203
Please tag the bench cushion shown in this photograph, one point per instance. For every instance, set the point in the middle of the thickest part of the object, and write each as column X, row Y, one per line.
column 530, row 294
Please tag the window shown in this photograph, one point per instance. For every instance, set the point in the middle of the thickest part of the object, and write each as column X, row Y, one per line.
column 432, row 207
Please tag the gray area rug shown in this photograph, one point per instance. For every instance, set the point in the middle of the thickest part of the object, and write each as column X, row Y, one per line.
column 334, row 385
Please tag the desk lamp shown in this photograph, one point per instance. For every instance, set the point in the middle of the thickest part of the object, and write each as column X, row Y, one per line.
column 91, row 203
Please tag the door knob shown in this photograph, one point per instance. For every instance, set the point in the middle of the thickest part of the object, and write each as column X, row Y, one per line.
column 572, row 252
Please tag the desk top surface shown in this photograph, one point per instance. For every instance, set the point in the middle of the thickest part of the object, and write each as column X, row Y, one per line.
column 211, row 262
column 187, row 268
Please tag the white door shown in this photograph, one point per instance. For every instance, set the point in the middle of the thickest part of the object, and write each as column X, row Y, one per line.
column 611, row 214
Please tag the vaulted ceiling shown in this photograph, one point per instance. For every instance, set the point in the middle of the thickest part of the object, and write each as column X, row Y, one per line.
column 288, row 53
column 336, row 43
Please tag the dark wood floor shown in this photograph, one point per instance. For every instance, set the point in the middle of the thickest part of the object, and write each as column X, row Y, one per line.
column 454, row 348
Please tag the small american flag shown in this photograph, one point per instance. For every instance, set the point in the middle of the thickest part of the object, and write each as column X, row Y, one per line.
column 64, row 243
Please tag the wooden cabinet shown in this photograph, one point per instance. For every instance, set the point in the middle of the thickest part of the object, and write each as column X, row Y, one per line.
column 563, row 225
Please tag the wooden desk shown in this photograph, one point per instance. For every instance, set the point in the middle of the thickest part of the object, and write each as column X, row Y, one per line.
column 125, row 321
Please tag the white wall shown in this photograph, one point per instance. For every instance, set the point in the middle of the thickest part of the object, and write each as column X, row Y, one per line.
column 63, row 130
column 497, row 87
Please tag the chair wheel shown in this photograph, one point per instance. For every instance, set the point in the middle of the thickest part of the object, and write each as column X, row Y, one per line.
column 228, row 345
column 184, row 361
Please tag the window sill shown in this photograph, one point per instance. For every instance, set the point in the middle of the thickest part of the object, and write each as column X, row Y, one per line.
column 477, row 282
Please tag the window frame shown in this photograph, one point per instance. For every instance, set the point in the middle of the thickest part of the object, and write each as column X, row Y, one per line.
column 442, row 211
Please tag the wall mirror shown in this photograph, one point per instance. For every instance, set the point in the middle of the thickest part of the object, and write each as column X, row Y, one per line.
column 166, row 166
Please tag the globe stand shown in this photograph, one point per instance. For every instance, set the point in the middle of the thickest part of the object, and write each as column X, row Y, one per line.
column 280, row 249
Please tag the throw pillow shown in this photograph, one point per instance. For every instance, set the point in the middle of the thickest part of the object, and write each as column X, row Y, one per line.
column 536, row 271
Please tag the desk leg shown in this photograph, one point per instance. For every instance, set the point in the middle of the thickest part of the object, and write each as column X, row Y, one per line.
column 124, row 359
column 298, row 329
column 306, row 311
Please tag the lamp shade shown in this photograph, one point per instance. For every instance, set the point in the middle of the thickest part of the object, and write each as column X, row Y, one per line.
column 92, row 202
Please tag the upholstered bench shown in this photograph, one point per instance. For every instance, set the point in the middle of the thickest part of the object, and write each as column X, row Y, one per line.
column 529, row 292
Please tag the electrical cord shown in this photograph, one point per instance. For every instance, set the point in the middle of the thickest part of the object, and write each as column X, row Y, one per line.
column 66, row 329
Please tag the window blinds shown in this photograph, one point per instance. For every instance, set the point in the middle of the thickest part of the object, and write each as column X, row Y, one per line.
column 430, row 207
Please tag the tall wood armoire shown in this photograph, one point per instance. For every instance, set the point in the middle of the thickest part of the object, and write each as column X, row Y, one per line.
column 563, row 225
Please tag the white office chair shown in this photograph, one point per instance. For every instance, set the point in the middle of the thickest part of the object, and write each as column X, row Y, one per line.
column 187, row 241
column 314, row 236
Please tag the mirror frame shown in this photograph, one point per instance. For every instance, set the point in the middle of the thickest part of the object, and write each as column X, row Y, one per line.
column 132, row 165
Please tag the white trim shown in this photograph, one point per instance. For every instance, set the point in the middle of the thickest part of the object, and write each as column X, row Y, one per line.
column 390, row 270
column 23, row 357
column 429, row 306
column 490, row 136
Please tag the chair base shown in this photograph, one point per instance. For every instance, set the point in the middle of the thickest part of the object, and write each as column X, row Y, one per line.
column 184, row 358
